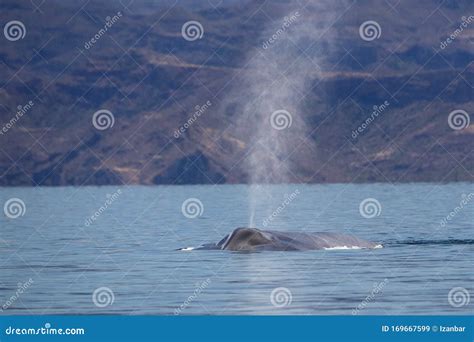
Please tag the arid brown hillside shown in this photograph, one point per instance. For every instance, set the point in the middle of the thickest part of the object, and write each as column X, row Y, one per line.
column 151, row 79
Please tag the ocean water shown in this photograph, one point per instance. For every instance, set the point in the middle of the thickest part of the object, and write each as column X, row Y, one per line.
column 55, row 259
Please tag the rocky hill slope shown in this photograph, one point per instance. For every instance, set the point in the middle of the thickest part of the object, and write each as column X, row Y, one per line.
column 191, row 111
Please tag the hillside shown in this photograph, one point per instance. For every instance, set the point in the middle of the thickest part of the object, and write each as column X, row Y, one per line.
column 318, row 68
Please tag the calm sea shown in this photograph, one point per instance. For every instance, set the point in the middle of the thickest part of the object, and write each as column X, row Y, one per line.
column 56, row 259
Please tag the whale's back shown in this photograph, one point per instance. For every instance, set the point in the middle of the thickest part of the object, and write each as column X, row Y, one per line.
column 252, row 239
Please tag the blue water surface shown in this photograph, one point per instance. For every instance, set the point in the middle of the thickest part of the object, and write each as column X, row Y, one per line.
column 130, row 249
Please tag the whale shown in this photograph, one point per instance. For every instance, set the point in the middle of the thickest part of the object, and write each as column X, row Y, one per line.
column 253, row 239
